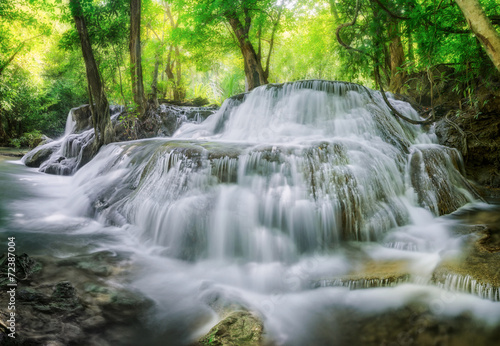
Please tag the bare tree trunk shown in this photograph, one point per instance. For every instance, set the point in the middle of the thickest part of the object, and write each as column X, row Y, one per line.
column 397, row 58
column 482, row 28
column 254, row 72
column 99, row 103
column 135, row 57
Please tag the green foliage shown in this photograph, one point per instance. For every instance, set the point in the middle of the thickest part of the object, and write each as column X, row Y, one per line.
column 28, row 139
column 46, row 76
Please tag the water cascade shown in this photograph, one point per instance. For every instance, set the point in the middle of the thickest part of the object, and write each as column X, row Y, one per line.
column 275, row 204
column 293, row 169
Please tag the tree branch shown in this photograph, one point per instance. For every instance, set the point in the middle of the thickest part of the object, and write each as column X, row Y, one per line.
column 18, row 49
column 275, row 28
column 428, row 120
column 392, row 14
column 345, row 25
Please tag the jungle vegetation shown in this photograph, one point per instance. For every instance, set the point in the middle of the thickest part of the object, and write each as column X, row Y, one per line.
column 58, row 54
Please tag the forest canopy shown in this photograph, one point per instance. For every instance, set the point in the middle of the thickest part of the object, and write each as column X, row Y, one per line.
column 212, row 49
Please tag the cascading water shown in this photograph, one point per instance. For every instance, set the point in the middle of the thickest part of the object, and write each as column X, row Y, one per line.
column 73, row 149
column 275, row 200
column 293, row 169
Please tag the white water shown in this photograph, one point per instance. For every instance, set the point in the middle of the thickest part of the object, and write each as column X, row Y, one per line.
column 254, row 205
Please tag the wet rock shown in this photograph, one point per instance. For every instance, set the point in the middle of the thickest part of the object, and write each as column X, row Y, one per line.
column 160, row 122
column 56, row 307
column 478, row 139
column 76, row 151
column 25, row 267
column 476, row 270
column 369, row 274
column 437, row 191
column 44, row 140
column 65, row 157
column 102, row 263
column 413, row 324
column 239, row 328
column 83, row 118
column 40, row 154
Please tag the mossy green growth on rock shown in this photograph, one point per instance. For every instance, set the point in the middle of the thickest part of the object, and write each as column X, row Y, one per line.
column 476, row 270
column 240, row 328
column 25, row 268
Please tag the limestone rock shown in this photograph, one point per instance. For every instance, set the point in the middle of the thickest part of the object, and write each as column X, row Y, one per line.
column 240, row 328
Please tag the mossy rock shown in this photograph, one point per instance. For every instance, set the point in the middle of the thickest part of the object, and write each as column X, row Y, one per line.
column 39, row 155
column 240, row 328
column 25, row 268
column 476, row 271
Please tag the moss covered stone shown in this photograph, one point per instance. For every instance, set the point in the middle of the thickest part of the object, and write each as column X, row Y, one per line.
column 239, row 328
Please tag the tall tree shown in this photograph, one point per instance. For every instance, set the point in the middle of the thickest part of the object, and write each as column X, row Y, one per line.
column 482, row 28
column 98, row 100
column 173, row 67
column 135, row 57
column 247, row 20
column 397, row 57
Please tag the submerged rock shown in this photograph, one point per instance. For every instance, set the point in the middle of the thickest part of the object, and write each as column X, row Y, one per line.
column 25, row 267
column 73, row 306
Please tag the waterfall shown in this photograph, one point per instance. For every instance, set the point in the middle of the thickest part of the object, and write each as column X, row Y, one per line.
column 70, row 124
column 73, row 149
column 286, row 170
column 308, row 204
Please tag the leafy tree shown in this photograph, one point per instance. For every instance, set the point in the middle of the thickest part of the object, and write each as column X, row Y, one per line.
column 135, row 57
column 249, row 21
column 98, row 100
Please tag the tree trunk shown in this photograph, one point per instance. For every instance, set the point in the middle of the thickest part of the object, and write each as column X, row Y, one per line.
column 178, row 91
column 181, row 91
column 482, row 28
column 397, row 58
column 154, row 83
column 253, row 65
column 118, row 58
column 98, row 101
column 3, row 135
column 135, row 57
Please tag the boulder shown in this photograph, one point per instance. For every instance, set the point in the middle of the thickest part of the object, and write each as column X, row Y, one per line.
column 73, row 306
column 475, row 270
column 82, row 117
column 40, row 154
column 477, row 136
column 238, row 328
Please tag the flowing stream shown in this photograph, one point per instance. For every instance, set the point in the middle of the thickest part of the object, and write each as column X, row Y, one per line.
column 297, row 202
